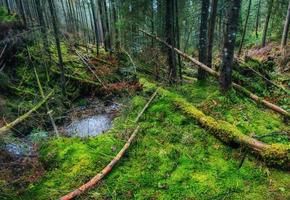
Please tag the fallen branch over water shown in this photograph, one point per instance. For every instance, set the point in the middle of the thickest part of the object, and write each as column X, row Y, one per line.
column 272, row 154
column 110, row 166
column 7, row 127
column 216, row 74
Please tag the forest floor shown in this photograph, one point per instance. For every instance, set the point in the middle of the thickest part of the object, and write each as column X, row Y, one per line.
column 173, row 157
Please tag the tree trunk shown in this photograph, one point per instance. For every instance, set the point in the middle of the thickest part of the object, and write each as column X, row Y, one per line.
column 8, row 7
column 39, row 8
column 286, row 28
column 57, row 42
column 169, row 30
column 178, row 38
column 22, row 12
column 258, row 18
column 211, row 29
column 216, row 75
column 229, row 45
column 267, row 23
column 245, row 28
column 95, row 25
column 203, row 40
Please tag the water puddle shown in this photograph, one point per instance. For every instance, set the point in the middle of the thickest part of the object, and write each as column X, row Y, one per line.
column 90, row 126
column 91, row 121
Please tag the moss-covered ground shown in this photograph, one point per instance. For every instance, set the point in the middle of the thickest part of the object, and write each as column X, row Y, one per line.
column 172, row 158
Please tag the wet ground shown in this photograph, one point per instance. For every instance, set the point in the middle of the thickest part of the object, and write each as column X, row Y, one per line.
column 19, row 157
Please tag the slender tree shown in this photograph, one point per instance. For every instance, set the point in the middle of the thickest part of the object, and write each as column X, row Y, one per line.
column 22, row 12
column 245, row 28
column 286, row 28
column 229, row 44
column 57, row 42
column 42, row 25
column 8, row 7
column 270, row 5
column 169, row 31
column 177, row 33
column 203, row 38
column 95, row 24
column 211, row 28
column 258, row 18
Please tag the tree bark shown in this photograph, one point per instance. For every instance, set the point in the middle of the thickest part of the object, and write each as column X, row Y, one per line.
column 39, row 8
column 8, row 7
column 169, row 30
column 270, row 5
column 229, row 45
column 245, row 28
column 273, row 154
column 203, row 38
column 216, row 75
column 57, row 42
column 286, row 28
column 95, row 25
column 178, row 38
column 258, row 19
column 211, row 29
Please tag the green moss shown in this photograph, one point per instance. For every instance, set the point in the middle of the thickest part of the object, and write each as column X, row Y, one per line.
column 70, row 162
column 173, row 157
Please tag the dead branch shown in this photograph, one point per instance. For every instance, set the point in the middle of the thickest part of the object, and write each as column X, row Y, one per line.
column 110, row 166
column 216, row 74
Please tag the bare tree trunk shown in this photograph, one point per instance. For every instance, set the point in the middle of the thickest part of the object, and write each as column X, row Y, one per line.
column 169, row 30
column 8, row 7
column 286, row 28
column 258, row 18
column 39, row 8
column 57, row 42
column 229, row 45
column 245, row 28
column 22, row 12
column 203, row 38
column 270, row 5
column 211, row 29
column 178, row 38
column 95, row 25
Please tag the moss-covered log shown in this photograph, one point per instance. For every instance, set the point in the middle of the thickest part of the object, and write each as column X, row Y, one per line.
column 272, row 154
column 23, row 117
column 216, row 74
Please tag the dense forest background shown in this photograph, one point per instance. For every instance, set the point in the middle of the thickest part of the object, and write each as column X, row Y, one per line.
column 167, row 99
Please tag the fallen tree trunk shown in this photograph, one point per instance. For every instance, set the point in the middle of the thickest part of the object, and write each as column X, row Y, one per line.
column 7, row 127
column 272, row 154
column 76, row 78
column 110, row 166
column 216, row 74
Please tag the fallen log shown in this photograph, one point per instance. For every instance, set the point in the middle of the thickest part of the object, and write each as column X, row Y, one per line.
column 272, row 154
column 7, row 127
column 96, row 179
column 76, row 78
column 216, row 74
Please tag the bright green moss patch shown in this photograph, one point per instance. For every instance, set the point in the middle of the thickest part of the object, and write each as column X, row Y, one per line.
column 177, row 159
column 70, row 162
column 172, row 158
